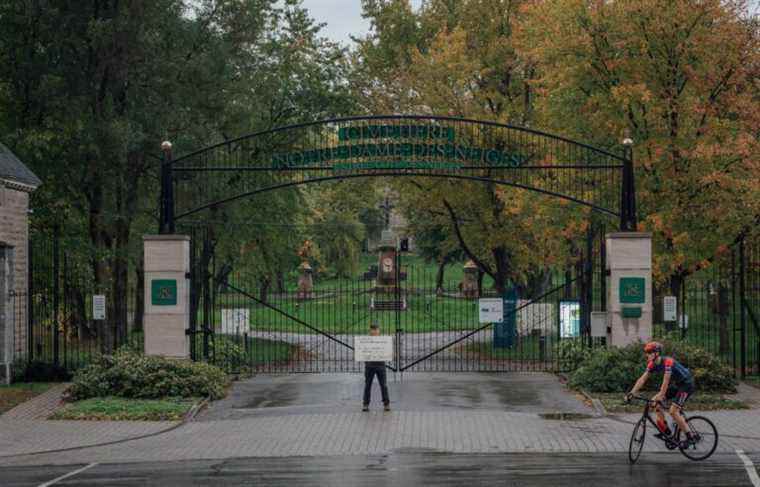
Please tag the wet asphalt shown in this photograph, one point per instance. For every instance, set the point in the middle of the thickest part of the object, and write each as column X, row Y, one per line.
column 412, row 468
column 335, row 393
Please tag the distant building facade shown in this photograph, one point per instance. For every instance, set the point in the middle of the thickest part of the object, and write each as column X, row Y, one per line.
column 17, row 183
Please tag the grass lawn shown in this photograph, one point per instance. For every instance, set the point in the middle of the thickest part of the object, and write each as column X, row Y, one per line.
column 14, row 394
column 349, row 313
column 524, row 348
column 234, row 354
column 121, row 409
column 701, row 401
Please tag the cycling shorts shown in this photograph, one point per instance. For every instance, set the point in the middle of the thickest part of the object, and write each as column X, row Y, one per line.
column 678, row 394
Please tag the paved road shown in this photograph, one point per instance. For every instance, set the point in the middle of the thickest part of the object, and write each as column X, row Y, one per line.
column 444, row 429
column 410, row 468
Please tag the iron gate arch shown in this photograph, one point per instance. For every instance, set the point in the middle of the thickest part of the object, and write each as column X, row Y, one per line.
column 394, row 145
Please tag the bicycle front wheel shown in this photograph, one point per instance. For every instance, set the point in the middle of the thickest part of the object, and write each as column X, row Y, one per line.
column 637, row 440
column 705, row 436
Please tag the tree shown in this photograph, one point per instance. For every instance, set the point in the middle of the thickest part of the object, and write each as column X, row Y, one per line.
column 90, row 89
column 681, row 78
column 459, row 59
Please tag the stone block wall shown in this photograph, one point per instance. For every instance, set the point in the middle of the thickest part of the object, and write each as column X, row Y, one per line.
column 14, row 231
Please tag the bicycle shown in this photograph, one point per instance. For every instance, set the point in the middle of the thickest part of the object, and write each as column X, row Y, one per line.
column 704, row 432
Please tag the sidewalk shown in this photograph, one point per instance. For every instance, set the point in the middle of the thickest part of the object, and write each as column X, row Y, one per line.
column 38, row 407
column 290, row 432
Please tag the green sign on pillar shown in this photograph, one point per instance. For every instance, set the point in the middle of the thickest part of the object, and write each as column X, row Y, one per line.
column 163, row 292
column 632, row 290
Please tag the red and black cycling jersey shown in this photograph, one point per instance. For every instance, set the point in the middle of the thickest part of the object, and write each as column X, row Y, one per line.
column 679, row 373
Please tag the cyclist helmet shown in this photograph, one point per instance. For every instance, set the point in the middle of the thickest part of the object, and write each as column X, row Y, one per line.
column 653, row 347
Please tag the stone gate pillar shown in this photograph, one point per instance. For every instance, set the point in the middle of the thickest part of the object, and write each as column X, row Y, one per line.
column 629, row 293
column 167, row 295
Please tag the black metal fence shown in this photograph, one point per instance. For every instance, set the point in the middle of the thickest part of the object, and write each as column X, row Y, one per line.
column 62, row 327
column 719, row 307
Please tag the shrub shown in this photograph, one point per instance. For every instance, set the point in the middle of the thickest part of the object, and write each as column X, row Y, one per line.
column 227, row 351
column 131, row 375
column 571, row 353
column 610, row 370
column 616, row 369
column 710, row 374
column 135, row 342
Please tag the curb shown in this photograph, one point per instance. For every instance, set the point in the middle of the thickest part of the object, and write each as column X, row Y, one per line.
column 598, row 406
column 197, row 408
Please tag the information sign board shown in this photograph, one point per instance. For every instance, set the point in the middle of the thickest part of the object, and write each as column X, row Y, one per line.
column 491, row 310
column 99, row 307
column 669, row 308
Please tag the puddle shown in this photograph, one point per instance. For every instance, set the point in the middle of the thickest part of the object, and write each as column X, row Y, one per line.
column 565, row 416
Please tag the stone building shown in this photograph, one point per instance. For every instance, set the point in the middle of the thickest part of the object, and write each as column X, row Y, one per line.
column 16, row 185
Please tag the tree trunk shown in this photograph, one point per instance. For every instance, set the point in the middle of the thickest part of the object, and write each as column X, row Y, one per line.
column 502, row 267
column 440, row 274
column 119, row 299
column 101, row 243
column 139, row 305
column 676, row 284
column 264, row 289
column 281, row 282
column 723, row 310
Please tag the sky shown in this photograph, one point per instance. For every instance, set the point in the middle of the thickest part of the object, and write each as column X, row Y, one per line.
column 343, row 17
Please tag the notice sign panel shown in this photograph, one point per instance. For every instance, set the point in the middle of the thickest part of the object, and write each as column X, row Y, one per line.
column 669, row 308
column 98, row 307
column 368, row 348
column 569, row 319
column 491, row 310
column 235, row 321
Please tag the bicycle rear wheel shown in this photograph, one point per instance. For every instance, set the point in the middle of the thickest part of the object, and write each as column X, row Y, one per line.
column 637, row 440
column 706, row 435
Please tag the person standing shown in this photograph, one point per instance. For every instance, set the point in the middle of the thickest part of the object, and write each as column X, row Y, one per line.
column 372, row 369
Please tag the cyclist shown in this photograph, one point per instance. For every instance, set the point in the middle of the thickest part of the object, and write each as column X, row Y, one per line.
column 677, row 386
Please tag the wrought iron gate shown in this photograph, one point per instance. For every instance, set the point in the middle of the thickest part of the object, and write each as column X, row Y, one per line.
column 240, row 326
column 239, row 323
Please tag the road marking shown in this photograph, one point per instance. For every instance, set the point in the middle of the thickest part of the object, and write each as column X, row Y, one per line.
column 751, row 471
column 46, row 484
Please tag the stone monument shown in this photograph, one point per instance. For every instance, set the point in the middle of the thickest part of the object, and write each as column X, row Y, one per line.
column 388, row 295
column 305, row 281
column 470, row 281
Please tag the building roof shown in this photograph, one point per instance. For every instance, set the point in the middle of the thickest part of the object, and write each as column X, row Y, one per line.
column 12, row 169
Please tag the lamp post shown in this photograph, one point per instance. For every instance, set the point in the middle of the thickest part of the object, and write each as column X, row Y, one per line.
column 167, row 190
column 628, row 218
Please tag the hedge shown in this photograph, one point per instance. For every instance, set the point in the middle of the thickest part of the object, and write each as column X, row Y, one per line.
column 132, row 375
column 616, row 369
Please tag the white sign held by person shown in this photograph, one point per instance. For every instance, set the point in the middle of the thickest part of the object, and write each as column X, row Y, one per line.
column 368, row 348
column 235, row 321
